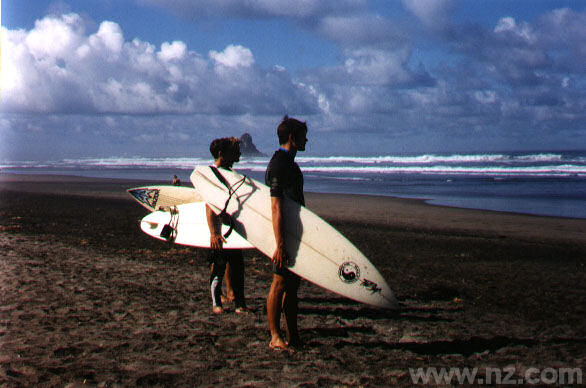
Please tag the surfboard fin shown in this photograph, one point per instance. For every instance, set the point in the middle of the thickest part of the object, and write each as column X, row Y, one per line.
column 152, row 225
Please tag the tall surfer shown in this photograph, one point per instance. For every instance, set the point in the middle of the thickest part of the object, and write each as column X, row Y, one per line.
column 224, row 263
column 284, row 178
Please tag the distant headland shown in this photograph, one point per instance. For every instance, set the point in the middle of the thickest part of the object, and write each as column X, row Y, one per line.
column 247, row 147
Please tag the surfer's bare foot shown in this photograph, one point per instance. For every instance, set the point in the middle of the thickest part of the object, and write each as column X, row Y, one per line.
column 277, row 343
column 217, row 310
column 242, row 310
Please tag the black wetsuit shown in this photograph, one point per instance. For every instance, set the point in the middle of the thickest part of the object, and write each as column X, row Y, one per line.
column 217, row 259
column 285, row 179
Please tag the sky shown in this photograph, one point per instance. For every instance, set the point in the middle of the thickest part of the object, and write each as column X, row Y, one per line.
column 162, row 78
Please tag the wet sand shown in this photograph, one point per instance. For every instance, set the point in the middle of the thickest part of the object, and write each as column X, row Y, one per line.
column 87, row 299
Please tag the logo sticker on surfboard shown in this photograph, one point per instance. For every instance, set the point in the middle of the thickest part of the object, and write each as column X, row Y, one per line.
column 349, row 272
column 147, row 196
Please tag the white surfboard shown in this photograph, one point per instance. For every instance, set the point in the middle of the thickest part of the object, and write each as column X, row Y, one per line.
column 317, row 251
column 187, row 225
column 163, row 197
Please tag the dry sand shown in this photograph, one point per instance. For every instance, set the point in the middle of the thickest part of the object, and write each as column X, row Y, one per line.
column 87, row 299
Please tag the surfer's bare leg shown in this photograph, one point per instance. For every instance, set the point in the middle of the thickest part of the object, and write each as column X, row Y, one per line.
column 228, row 282
column 290, row 308
column 274, row 308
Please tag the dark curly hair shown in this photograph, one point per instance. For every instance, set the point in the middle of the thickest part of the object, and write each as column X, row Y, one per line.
column 289, row 126
column 223, row 145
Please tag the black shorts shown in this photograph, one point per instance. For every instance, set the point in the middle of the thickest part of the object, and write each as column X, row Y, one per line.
column 223, row 256
column 283, row 271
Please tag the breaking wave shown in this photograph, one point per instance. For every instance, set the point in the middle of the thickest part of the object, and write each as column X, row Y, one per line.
column 484, row 164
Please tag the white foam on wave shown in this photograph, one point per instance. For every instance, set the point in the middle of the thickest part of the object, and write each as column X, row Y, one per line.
column 458, row 170
column 540, row 158
column 432, row 159
column 419, row 159
column 538, row 171
column 530, row 164
column 181, row 163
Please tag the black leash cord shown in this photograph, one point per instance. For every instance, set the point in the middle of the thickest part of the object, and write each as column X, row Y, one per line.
column 224, row 216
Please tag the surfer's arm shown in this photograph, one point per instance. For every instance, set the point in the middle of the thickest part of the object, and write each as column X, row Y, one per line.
column 280, row 255
column 216, row 238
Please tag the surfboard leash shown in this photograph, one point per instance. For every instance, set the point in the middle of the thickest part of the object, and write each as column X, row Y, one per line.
column 169, row 231
column 224, row 216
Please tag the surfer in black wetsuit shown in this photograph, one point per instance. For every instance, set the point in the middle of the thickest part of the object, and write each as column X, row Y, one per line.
column 285, row 179
column 225, row 263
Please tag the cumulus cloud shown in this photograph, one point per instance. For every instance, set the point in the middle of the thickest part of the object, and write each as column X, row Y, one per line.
column 53, row 37
column 233, row 56
column 482, row 79
column 514, row 74
column 57, row 67
column 520, row 74
column 172, row 51
column 369, row 66
column 364, row 75
column 522, row 55
column 109, row 38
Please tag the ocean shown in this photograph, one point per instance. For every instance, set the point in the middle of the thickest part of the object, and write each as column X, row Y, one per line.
column 539, row 183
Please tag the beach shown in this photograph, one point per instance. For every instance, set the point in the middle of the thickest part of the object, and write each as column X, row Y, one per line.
column 87, row 299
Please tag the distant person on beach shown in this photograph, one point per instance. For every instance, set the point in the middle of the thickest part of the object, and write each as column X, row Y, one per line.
column 225, row 263
column 285, row 179
column 176, row 181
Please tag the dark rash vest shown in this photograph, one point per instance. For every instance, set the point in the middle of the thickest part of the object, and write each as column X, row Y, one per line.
column 284, row 177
